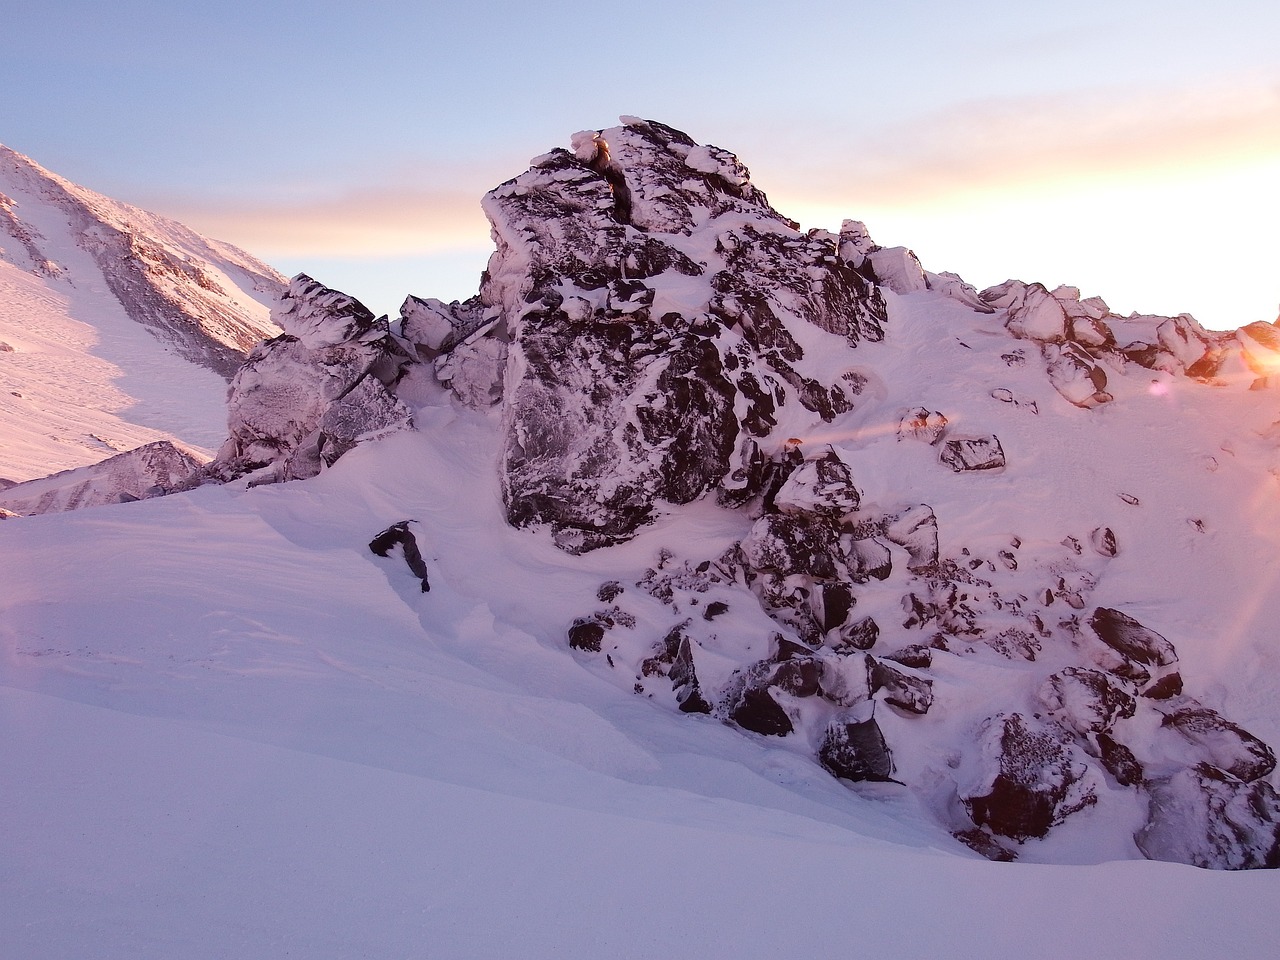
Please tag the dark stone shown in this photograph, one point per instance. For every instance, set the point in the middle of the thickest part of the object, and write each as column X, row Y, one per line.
column 903, row 690
column 859, row 635
column 586, row 634
column 916, row 655
column 833, row 603
column 1221, row 744
column 714, row 609
column 1036, row 783
column 1129, row 637
column 609, row 591
column 1168, row 686
column 856, row 751
column 398, row 534
column 979, row 841
column 963, row 454
column 1119, row 761
column 684, row 681
column 755, row 710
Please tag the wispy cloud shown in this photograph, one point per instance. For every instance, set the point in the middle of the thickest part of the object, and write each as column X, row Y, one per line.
column 384, row 219
column 999, row 145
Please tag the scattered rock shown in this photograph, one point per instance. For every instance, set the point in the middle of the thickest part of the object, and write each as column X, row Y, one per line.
column 1103, row 541
column 963, row 454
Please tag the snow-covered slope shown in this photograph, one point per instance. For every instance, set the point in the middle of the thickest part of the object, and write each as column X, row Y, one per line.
column 117, row 327
column 466, row 692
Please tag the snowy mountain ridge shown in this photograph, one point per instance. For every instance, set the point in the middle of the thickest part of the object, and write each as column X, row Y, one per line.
column 692, row 517
column 118, row 327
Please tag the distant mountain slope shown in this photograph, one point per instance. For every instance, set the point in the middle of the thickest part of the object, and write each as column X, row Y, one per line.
column 117, row 327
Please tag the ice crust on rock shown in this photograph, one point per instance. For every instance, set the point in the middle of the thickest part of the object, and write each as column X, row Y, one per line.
column 306, row 397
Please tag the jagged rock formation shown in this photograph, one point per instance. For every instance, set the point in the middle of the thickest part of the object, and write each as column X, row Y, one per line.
column 306, row 397
column 656, row 323
column 646, row 291
column 205, row 299
column 147, row 471
column 656, row 333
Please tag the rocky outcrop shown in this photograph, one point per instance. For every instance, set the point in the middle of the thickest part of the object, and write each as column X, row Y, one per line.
column 151, row 470
column 306, row 397
column 652, row 300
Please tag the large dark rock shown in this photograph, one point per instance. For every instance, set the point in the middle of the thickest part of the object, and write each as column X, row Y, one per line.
column 1221, row 744
column 856, row 750
column 901, row 689
column 1127, row 636
column 1030, row 780
column 612, row 406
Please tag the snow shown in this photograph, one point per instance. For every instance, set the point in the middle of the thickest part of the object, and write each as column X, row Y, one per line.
column 245, row 735
column 231, row 730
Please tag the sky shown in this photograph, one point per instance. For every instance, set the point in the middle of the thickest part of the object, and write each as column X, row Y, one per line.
column 1130, row 147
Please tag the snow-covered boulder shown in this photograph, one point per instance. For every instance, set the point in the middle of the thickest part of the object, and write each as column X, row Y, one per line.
column 151, row 470
column 304, row 398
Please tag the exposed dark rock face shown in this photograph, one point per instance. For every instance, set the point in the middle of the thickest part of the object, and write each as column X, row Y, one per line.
column 1032, row 780
column 856, row 750
column 624, row 394
column 308, row 396
column 399, row 535
column 1130, row 638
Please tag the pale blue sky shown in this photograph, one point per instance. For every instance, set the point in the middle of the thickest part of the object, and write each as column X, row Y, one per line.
column 1131, row 148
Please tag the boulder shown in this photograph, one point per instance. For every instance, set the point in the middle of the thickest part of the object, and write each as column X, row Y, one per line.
column 1130, row 638
column 1086, row 701
column 821, row 486
column 1205, row 818
column 919, row 423
column 1221, row 744
column 1075, row 374
column 965, row 454
column 306, row 397
column 1024, row 780
column 856, row 750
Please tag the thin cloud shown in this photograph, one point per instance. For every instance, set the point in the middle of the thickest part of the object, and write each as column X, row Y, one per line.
column 1013, row 144
column 388, row 219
